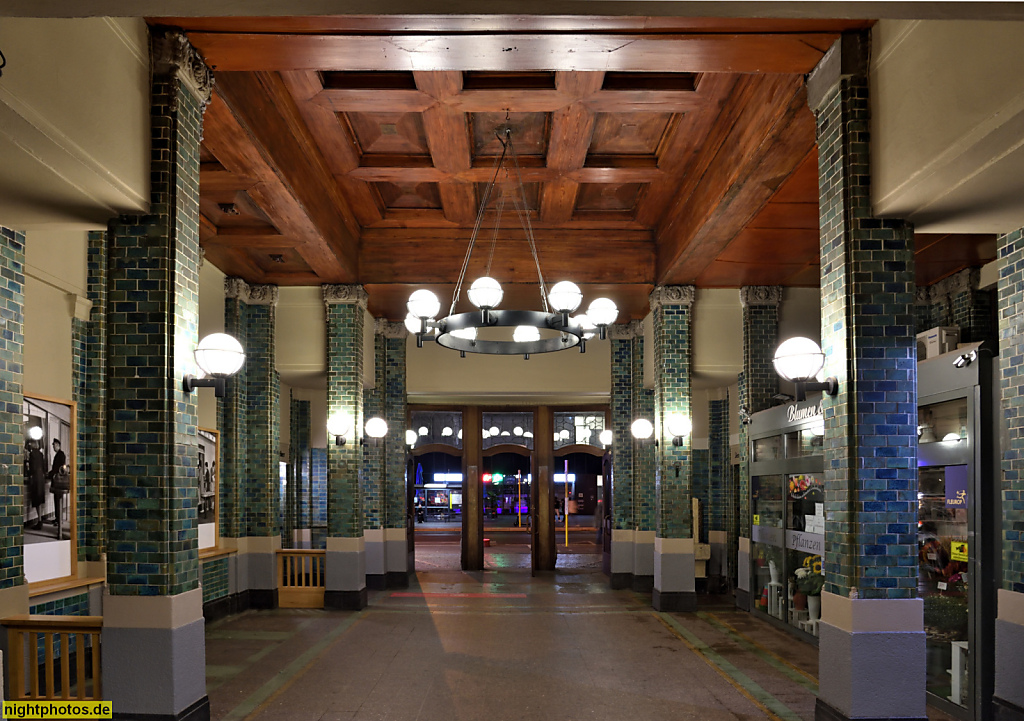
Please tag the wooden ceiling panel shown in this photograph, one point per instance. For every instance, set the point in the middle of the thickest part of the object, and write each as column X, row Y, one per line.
column 409, row 195
column 629, row 133
column 607, row 196
column 530, row 133
column 285, row 260
column 389, row 133
column 940, row 255
column 724, row 274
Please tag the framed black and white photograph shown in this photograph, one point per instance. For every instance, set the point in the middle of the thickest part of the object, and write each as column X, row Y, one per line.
column 206, row 478
column 49, row 488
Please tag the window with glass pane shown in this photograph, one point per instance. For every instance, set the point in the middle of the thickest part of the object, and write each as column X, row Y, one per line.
column 767, row 537
column 768, row 449
column 437, row 427
column 578, row 428
column 942, row 422
column 805, row 540
column 943, row 501
column 502, row 428
column 806, row 442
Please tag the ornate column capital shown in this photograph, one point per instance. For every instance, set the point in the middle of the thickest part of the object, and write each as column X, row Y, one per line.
column 673, row 295
column 238, row 289
column 751, row 295
column 626, row 331
column 923, row 296
column 384, row 327
column 345, row 295
column 172, row 54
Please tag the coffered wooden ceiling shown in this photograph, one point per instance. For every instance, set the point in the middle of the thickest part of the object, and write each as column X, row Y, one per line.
column 355, row 150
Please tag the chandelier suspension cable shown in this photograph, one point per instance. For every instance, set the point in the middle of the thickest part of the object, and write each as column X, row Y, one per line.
column 524, row 218
column 476, row 227
column 499, row 209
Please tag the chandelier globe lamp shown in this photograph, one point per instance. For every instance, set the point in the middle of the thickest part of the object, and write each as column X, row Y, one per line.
column 552, row 328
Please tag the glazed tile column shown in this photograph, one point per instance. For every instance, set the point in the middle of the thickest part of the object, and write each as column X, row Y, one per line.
column 13, row 590
column 346, row 547
column 721, row 513
column 89, row 384
column 372, row 478
column 299, row 465
column 758, row 383
column 632, row 542
column 153, row 652
column 1009, row 658
column 871, row 634
column 251, row 427
column 971, row 308
column 395, row 400
column 674, row 580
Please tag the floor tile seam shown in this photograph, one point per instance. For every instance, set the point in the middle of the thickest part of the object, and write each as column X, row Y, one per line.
column 290, row 673
column 775, row 709
column 784, row 665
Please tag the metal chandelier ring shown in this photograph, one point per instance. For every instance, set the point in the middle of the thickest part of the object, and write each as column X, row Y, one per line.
column 571, row 333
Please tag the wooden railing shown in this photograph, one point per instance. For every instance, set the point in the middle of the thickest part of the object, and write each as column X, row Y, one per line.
column 300, row 578
column 54, row 657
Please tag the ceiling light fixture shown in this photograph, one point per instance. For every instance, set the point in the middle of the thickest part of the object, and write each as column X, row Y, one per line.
column 459, row 331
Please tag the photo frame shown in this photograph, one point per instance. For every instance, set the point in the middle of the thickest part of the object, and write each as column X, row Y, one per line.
column 49, row 499
column 208, row 483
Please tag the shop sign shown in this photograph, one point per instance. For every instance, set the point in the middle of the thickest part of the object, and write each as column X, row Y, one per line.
column 956, row 486
column 767, row 534
column 805, row 542
column 798, row 414
column 958, row 551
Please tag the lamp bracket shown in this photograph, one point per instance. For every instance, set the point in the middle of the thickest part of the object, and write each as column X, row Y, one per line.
column 830, row 386
column 190, row 383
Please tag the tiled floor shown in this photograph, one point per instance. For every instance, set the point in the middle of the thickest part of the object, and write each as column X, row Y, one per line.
column 501, row 645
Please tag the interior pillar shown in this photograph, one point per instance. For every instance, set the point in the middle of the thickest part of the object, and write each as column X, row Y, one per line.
column 153, row 607
column 472, row 490
column 394, row 337
column 674, row 545
column 345, row 573
column 542, row 493
column 871, row 634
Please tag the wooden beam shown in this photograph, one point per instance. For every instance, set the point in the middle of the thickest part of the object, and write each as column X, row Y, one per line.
column 263, row 104
column 233, row 146
column 651, row 101
column 373, row 100
column 795, row 53
column 422, row 256
column 760, row 150
column 571, row 130
column 339, row 148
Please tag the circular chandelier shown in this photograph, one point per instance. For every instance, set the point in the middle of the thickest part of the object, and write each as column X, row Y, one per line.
column 459, row 331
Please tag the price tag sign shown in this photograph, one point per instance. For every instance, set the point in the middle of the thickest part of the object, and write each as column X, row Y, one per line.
column 757, row 519
column 958, row 551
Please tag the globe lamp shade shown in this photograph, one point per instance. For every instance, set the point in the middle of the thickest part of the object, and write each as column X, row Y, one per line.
column 411, row 437
column 565, row 297
column 423, row 304
column 606, row 437
column 339, row 425
column 485, row 293
column 642, row 429
column 525, row 333
column 678, row 425
column 584, row 322
column 798, row 359
column 376, row 427
column 219, row 355
column 602, row 311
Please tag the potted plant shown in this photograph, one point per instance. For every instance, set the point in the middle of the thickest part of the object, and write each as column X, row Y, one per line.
column 810, row 584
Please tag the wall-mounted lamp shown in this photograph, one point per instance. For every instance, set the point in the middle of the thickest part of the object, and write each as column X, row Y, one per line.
column 679, row 426
column 799, row 360
column 411, row 437
column 218, row 355
column 340, row 426
column 606, row 437
column 643, row 430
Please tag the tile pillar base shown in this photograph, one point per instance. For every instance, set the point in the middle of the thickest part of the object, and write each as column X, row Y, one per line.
column 154, row 656
column 199, row 711
column 346, row 600
column 872, row 655
column 824, row 712
column 622, row 559
column 345, row 573
column 674, row 600
column 674, row 581
column 1009, row 681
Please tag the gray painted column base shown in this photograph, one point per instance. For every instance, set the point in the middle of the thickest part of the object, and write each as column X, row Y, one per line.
column 199, row 711
column 397, row 579
column 742, row 599
column 1009, row 681
column 1006, row 711
column 620, row 581
column 346, row 600
column 643, row 584
column 674, row 600
column 377, row 581
column 824, row 712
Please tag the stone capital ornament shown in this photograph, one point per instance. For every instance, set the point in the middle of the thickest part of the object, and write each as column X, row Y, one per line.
column 345, row 295
column 172, row 54
column 384, row 327
column 673, row 295
column 626, row 331
column 770, row 295
column 238, row 289
column 922, row 296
